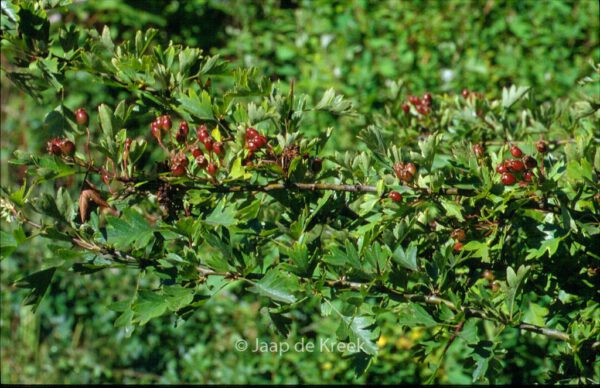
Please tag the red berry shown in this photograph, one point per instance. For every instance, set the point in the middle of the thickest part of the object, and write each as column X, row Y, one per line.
column 414, row 100
column 395, row 196
column 528, row 176
column 208, row 144
column 458, row 246
column 67, row 147
column 541, row 146
column 516, row 151
column 398, row 168
column 53, row 147
column 478, row 150
column 202, row 133
column 523, row 183
column 508, row 179
column 501, row 168
column 178, row 170
column 459, row 235
column 516, row 165
column 156, row 132
column 251, row 133
column 180, row 158
column 260, row 141
column 406, row 108
column 128, row 143
column 424, row 110
column 165, row 122
column 81, row 116
column 251, row 145
column 217, row 148
column 488, row 275
column 180, row 136
column 465, row 93
column 427, row 98
column 411, row 168
column 184, row 128
column 201, row 161
column 105, row 177
column 406, row 176
column 211, row 169
column 196, row 152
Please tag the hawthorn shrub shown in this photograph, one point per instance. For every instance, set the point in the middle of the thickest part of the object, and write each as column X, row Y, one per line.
column 470, row 223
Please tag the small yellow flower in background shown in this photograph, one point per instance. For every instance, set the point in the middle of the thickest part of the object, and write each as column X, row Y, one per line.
column 416, row 333
column 404, row 343
column 327, row 365
column 382, row 341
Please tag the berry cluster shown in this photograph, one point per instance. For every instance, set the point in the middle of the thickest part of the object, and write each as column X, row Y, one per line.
column 519, row 168
column 179, row 160
column 405, row 172
column 491, row 279
column 161, row 126
column 60, row 147
column 422, row 105
column 254, row 141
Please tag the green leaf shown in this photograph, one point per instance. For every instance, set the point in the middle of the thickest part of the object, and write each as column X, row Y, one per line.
column 129, row 231
column 408, row 258
column 277, row 286
column 198, row 106
column 177, row 297
column 221, row 215
column 512, row 95
column 149, row 305
column 412, row 314
column 38, row 283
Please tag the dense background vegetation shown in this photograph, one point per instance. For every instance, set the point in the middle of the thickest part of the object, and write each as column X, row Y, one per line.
column 375, row 54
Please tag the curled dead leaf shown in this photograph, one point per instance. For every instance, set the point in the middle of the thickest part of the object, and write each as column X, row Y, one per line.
column 87, row 197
